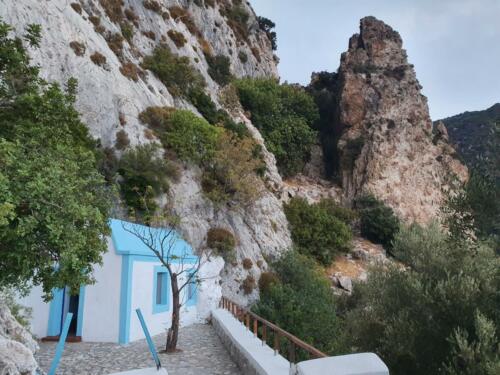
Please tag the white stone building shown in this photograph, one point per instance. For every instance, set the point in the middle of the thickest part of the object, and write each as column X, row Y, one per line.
column 130, row 277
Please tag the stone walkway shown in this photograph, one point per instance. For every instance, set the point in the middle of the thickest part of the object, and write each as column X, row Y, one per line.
column 202, row 353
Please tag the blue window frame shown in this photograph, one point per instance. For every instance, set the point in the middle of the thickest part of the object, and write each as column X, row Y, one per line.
column 161, row 290
column 192, row 292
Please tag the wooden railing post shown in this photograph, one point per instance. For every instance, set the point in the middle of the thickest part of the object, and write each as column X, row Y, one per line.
column 244, row 315
column 276, row 343
column 292, row 353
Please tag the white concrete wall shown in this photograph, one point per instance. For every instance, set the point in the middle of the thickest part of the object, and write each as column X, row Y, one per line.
column 101, row 312
column 40, row 311
column 247, row 351
column 350, row 364
column 142, row 297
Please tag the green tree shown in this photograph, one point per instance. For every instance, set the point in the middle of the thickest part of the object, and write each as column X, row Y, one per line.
column 53, row 202
column 378, row 222
column 417, row 317
column 301, row 302
column 284, row 115
column 316, row 229
column 145, row 176
column 477, row 204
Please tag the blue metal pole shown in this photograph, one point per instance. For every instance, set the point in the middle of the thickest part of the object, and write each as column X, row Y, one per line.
column 60, row 344
column 148, row 339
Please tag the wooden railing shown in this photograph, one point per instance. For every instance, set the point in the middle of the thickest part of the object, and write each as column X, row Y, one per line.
column 269, row 331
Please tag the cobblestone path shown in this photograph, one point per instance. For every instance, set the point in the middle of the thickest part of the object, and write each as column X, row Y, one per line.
column 202, row 353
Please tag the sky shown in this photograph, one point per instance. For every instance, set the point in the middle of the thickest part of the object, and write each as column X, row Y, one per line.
column 454, row 44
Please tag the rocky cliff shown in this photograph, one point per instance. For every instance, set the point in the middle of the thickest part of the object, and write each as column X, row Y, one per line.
column 16, row 345
column 121, row 33
column 386, row 146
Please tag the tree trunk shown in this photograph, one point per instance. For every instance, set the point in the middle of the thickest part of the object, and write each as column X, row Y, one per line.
column 173, row 331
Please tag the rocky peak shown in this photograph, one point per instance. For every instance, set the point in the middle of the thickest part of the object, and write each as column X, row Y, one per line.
column 375, row 40
column 386, row 146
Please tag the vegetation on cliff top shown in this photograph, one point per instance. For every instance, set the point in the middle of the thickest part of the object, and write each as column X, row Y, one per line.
column 284, row 115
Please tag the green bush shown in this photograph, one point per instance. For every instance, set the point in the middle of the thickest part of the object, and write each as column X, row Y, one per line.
column 342, row 213
column 205, row 105
column 243, row 56
column 316, row 231
column 480, row 199
column 437, row 315
column 175, row 72
column 127, row 30
column 219, row 68
column 266, row 280
column 283, row 114
column 301, row 302
column 378, row 222
column 192, row 138
column 207, row 108
column 222, row 242
column 145, row 176
column 232, row 175
column 266, row 25
column 157, row 118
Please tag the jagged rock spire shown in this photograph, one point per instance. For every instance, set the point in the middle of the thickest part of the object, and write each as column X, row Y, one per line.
column 386, row 146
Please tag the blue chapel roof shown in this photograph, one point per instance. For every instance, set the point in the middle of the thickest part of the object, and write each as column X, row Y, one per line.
column 127, row 243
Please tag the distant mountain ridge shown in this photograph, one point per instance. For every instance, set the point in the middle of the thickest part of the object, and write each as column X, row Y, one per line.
column 476, row 136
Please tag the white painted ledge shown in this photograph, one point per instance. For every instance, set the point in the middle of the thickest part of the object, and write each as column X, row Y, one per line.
column 144, row 371
column 351, row 364
column 247, row 351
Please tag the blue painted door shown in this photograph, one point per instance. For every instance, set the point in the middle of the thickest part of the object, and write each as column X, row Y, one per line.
column 61, row 304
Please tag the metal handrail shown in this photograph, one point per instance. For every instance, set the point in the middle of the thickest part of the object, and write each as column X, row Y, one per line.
column 245, row 316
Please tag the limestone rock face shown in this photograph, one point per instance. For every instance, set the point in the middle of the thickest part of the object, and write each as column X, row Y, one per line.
column 109, row 101
column 386, row 145
column 16, row 346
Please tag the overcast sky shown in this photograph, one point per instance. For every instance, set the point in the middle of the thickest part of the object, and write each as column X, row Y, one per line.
column 454, row 44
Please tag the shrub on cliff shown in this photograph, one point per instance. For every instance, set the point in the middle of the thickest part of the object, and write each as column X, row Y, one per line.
column 177, row 37
column 266, row 25
column 192, row 138
column 300, row 301
column 174, row 71
column 222, row 242
column 145, row 176
column 316, row 230
column 378, row 222
column 232, row 176
column 283, row 114
column 219, row 68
